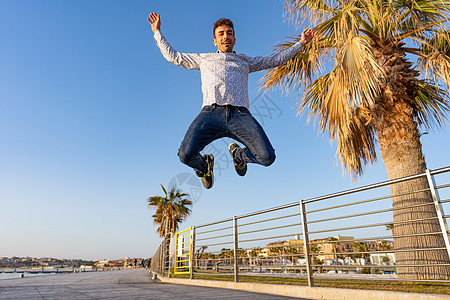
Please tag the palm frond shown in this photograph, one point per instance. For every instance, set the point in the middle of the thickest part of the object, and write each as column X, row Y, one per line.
column 356, row 145
column 335, row 100
column 302, row 68
column 436, row 60
column 431, row 105
column 164, row 189
column 359, row 72
column 315, row 11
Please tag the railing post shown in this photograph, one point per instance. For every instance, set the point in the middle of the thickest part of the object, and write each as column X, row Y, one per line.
column 170, row 253
column 192, row 252
column 167, row 253
column 306, row 244
column 439, row 210
column 161, row 259
column 235, row 243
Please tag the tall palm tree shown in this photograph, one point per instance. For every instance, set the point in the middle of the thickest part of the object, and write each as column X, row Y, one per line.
column 171, row 209
column 374, row 93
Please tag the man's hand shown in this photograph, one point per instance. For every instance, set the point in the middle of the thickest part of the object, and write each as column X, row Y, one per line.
column 155, row 20
column 307, row 36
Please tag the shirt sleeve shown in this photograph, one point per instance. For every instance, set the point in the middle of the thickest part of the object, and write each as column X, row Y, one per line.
column 268, row 62
column 186, row 60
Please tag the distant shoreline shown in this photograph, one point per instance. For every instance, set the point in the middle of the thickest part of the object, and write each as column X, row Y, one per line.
column 18, row 273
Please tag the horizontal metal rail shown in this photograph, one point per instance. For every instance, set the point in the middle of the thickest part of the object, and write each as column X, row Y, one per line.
column 365, row 188
column 219, row 251
column 253, row 257
column 347, row 204
column 371, row 225
column 266, row 238
column 377, row 238
column 378, row 266
column 268, row 210
column 442, row 186
column 270, row 228
column 439, row 171
column 251, row 214
column 270, row 247
column 369, row 252
column 352, row 216
column 366, row 201
column 216, row 274
column 209, row 245
column 267, row 220
column 214, row 237
column 213, row 223
column 212, row 259
column 214, row 230
column 374, row 212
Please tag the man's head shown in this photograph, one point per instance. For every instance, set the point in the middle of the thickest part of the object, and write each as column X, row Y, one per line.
column 223, row 32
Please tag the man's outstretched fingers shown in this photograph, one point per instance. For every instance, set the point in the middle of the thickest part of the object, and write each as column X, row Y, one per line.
column 154, row 20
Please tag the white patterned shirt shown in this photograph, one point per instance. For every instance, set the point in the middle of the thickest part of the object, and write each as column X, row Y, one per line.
column 224, row 75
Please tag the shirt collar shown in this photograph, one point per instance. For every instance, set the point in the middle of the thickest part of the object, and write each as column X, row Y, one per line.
column 218, row 51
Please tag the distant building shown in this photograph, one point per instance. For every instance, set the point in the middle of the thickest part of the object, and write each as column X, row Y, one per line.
column 382, row 258
column 102, row 263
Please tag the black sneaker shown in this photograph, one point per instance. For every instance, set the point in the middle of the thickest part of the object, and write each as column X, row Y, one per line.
column 208, row 178
column 239, row 166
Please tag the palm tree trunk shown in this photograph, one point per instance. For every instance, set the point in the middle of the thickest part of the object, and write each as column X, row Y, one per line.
column 402, row 155
column 167, row 225
column 398, row 134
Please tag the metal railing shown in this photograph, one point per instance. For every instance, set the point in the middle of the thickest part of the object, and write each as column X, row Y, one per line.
column 334, row 236
column 160, row 263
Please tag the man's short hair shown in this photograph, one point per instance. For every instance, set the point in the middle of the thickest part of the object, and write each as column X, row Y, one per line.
column 221, row 22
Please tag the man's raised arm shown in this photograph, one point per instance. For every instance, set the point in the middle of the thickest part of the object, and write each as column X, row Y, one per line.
column 267, row 62
column 186, row 60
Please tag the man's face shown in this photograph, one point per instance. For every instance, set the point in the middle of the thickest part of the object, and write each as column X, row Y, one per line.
column 224, row 38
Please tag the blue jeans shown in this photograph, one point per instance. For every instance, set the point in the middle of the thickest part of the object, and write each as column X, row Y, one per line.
column 215, row 122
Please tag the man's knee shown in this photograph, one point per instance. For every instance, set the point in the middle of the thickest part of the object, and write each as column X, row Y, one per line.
column 185, row 155
column 267, row 158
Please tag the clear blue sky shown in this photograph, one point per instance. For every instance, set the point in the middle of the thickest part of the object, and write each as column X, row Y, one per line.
column 91, row 118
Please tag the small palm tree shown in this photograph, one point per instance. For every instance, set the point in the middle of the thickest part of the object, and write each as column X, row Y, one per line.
column 171, row 209
column 384, row 246
column 360, row 247
column 253, row 254
column 374, row 93
column 291, row 250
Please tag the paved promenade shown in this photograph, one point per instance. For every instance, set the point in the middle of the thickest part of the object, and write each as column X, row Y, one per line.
column 127, row 284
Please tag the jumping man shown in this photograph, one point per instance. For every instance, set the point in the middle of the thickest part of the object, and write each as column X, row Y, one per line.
column 224, row 113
